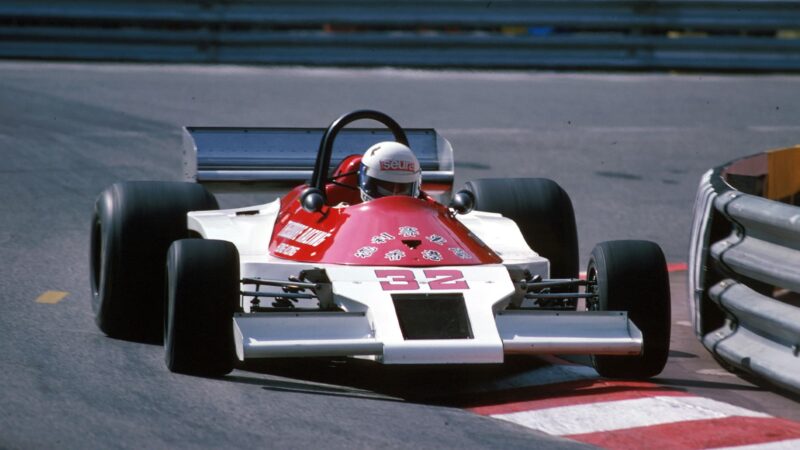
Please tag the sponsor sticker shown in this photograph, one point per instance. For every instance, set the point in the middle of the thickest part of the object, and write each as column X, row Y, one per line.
column 436, row 239
column 407, row 231
column 366, row 252
column 396, row 165
column 312, row 237
column 286, row 249
column 292, row 230
column 460, row 252
column 395, row 255
column 431, row 255
column 303, row 234
column 382, row 238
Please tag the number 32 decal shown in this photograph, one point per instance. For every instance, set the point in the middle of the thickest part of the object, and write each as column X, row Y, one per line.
column 404, row 280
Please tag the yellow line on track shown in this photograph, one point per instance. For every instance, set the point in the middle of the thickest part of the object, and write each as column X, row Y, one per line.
column 51, row 297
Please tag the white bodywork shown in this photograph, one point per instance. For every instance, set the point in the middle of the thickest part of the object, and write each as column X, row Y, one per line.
column 369, row 326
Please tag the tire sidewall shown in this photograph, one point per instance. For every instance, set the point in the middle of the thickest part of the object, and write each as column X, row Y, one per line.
column 105, row 251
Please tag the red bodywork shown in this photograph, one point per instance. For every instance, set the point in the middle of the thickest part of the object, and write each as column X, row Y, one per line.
column 388, row 231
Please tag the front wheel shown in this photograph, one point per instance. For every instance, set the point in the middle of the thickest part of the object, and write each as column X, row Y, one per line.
column 202, row 295
column 632, row 276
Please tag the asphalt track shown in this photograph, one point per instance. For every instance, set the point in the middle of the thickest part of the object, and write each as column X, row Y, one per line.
column 628, row 148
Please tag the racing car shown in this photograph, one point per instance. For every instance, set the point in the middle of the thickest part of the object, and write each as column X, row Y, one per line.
column 370, row 255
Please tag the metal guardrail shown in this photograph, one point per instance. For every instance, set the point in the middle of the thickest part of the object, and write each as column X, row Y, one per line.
column 744, row 269
column 751, row 35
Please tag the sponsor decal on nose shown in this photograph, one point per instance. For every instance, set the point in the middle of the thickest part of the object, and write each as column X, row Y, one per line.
column 303, row 234
column 382, row 238
column 366, row 252
column 407, row 231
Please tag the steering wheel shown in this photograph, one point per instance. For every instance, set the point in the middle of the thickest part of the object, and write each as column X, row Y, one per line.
column 323, row 162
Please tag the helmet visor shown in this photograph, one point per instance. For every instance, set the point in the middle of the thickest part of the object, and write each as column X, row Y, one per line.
column 376, row 188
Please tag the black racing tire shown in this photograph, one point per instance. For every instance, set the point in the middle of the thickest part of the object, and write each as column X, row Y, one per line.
column 202, row 295
column 632, row 276
column 543, row 212
column 133, row 225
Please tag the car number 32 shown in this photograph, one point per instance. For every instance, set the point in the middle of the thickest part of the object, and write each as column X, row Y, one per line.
column 436, row 279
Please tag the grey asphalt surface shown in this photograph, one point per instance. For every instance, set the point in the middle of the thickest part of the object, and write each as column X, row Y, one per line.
column 629, row 149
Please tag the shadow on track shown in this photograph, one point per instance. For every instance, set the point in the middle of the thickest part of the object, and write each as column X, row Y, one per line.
column 445, row 385
column 706, row 384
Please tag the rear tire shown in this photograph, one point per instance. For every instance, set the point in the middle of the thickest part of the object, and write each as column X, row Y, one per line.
column 134, row 224
column 543, row 212
column 632, row 276
column 202, row 295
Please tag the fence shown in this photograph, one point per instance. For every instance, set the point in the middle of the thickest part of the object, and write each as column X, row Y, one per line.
column 748, row 35
column 744, row 269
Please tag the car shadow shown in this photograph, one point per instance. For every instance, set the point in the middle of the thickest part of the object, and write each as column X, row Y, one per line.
column 310, row 387
column 672, row 382
column 441, row 385
column 461, row 386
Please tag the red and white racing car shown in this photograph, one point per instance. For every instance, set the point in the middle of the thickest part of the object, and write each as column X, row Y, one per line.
column 400, row 279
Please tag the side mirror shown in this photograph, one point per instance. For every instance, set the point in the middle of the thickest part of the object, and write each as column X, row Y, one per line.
column 463, row 202
column 312, row 199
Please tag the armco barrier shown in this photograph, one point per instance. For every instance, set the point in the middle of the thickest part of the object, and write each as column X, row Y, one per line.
column 751, row 35
column 744, row 268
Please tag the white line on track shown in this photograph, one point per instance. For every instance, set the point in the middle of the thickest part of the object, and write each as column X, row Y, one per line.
column 793, row 444
column 648, row 129
column 621, row 414
column 774, row 128
column 485, row 131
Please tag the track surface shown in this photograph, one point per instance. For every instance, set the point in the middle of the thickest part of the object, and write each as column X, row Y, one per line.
column 629, row 149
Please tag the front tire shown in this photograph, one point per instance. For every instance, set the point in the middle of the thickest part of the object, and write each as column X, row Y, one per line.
column 202, row 295
column 632, row 276
column 133, row 225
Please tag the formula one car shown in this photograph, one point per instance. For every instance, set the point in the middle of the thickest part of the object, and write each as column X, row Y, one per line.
column 427, row 277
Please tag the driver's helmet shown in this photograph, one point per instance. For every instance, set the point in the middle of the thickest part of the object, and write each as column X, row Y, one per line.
column 389, row 168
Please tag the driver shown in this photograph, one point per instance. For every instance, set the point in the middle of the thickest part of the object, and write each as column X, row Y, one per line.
column 389, row 168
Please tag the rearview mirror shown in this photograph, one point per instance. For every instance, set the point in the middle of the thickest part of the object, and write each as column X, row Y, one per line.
column 312, row 199
column 463, row 202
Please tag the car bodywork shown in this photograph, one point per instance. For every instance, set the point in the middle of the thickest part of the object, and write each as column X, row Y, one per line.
column 398, row 280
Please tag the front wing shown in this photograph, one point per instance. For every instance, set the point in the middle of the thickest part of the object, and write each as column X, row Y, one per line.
column 437, row 315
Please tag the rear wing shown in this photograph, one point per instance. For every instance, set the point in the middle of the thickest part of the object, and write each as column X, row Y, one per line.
column 265, row 159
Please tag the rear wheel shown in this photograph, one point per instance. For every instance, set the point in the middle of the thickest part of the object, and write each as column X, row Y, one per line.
column 133, row 225
column 543, row 212
column 632, row 276
column 202, row 295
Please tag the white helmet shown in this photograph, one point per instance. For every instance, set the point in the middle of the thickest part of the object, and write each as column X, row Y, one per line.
column 389, row 168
